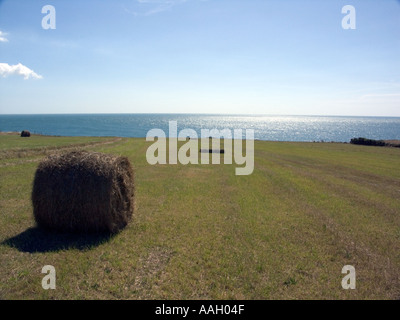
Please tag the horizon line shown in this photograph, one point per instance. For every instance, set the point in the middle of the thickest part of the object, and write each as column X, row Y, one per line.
column 201, row 114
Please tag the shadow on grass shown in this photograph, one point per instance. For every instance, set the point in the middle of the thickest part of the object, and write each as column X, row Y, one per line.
column 38, row 240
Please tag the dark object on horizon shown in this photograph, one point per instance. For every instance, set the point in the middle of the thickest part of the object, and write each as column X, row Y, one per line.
column 83, row 192
column 393, row 143
column 212, row 151
column 25, row 133
column 368, row 142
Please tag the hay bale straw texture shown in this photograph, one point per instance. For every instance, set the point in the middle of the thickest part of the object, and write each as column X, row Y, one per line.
column 83, row 192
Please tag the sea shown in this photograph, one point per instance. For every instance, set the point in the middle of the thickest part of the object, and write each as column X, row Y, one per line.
column 266, row 127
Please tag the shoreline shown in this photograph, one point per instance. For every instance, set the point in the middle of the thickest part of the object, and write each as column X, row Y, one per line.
column 395, row 143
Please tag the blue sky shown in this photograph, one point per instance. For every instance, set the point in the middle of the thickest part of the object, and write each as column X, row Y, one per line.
column 200, row 56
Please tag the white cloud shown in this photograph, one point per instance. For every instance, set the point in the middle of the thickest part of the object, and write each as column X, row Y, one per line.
column 18, row 69
column 3, row 36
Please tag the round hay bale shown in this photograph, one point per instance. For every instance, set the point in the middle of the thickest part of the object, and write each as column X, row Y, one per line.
column 25, row 133
column 83, row 192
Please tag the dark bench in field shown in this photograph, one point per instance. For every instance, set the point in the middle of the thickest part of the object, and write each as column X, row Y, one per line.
column 212, row 150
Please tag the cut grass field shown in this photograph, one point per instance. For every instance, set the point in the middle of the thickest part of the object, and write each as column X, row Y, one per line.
column 201, row 232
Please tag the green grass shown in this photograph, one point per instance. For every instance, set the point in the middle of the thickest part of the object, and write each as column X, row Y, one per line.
column 13, row 142
column 201, row 232
column 15, row 149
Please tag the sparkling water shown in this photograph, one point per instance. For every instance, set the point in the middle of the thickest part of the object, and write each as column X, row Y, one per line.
column 276, row 128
